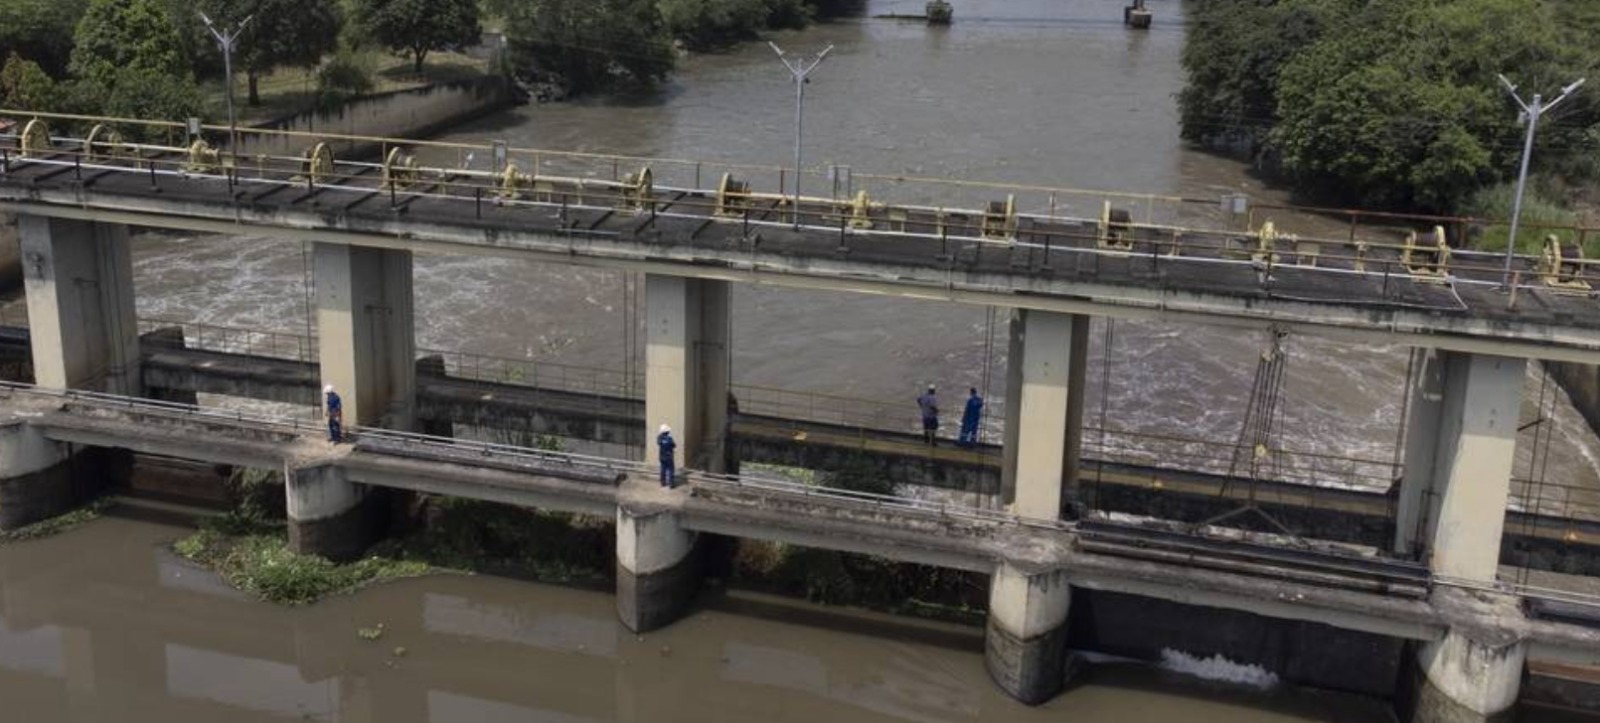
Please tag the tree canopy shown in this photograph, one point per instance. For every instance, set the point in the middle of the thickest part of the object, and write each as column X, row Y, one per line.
column 120, row 36
column 420, row 26
column 294, row 33
column 1387, row 102
column 589, row 44
column 40, row 31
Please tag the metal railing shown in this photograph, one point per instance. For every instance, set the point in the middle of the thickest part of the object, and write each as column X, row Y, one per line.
column 596, row 183
column 514, row 453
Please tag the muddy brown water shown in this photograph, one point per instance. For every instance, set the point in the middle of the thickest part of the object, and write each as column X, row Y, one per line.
column 101, row 624
column 105, row 624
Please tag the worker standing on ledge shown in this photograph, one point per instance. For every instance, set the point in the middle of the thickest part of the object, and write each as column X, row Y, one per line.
column 665, row 446
column 969, row 419
column 929, row 404
column 335, row 415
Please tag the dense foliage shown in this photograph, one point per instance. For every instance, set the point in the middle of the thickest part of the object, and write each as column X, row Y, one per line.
column 292, row 33
column 1388, row 102
column 40, row 31
column 420, row 26
column 586, row 45
column 709, row 24
column 116, row 37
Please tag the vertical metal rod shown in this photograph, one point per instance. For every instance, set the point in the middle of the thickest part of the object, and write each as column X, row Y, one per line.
column 226, row 39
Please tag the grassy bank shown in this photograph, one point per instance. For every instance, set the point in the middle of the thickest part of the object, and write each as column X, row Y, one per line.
column 57, row 525
column 286, row 91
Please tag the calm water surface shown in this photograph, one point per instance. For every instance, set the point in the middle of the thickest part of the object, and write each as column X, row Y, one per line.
column 104, row 624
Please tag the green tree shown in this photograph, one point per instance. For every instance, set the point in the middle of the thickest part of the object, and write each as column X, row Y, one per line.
column 589, row 44
column 40, row 30
column 420, row 26
column 705, row 24
column 25, row 86
column 294, row 33
column 118, row 36
column 1399, row 105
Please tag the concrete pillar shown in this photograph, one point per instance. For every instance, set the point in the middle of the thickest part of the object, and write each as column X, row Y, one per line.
column 366, row 333
column 687, row 341
column 1045, row 376
column 1026, row 639
column 1460, row 445
column 330, row 515
column 658, row 567
column 35, row 477
column 1462, row 679
column 79, row 280
column 1423, row 410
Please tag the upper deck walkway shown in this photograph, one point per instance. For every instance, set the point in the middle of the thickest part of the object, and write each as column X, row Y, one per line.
column 564, row 208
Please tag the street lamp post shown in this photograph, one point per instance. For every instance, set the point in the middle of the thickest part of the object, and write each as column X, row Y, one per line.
column 799, row 68
column 226, row 39
column 1532, row 112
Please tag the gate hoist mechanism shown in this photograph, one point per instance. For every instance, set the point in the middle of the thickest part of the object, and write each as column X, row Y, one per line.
column 1427, row 263
column 319, row 163
column 399, row 170
column 733, row 197
column 1116, row 228
column 105, row 143
column 1561, row 266
column 638, row 191
column 203, row 158
column 1000, row 220
column 35, row 138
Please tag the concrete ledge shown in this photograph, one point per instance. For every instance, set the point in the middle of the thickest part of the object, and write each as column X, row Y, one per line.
column 1031, row 670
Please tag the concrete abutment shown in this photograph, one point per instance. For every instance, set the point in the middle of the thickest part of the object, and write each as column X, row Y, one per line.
column 329, row 515
column 658, row 568
column 1026, row 638
column 1464, row 679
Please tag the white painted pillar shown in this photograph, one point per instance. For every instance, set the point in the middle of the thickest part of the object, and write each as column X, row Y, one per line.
column 1045, row 376
column 79, row 281
column 658, row 571
column 366, row 332
column 687, row 368
column 1466, row 680
column 1026, row 639
column 1459, row 459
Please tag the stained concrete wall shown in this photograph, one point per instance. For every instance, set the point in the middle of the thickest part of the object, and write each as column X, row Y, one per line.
column 1302, row 653
column 10, row 254
column 413, row 113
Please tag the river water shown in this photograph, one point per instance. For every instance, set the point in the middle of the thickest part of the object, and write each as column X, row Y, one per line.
column 1048, row 92
column 132, row 634
column 103, row 624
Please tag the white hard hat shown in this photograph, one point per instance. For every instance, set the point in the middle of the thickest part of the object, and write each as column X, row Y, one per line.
column 665, row 429
column 327, row 389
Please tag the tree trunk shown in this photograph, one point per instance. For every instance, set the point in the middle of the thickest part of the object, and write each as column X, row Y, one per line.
column 255, row 90
column 421, row 54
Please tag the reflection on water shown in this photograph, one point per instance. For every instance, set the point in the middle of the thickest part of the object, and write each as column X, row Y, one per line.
column 101, row 624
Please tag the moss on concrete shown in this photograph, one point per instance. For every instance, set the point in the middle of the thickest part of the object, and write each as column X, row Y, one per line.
column 59, row 524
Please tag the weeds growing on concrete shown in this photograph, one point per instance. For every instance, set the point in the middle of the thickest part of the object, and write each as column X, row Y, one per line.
column 59, row 524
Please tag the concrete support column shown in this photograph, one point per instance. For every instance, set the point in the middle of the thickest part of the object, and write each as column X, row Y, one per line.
column 79, row 280
column 1462, row 679
column 687, row 342
column 1026, row 639
column 658, row 567
column 1460, row 445
column 366, row 333
column 1045, row 376
column 35, row 477
column 330, row 515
